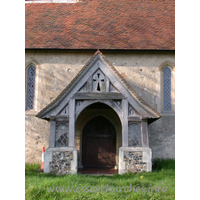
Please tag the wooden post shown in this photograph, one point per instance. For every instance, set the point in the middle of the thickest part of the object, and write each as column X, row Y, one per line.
column 72, row 123
column 107, row 83
column 52, row 132
column 125, row 123
column 145, row 135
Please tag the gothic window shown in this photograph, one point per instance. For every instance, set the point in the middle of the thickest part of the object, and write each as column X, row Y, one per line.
column 134, row 135
column 30, row 87
column 167, row 104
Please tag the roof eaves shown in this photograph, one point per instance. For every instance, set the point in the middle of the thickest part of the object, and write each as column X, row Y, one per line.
column 67, row 88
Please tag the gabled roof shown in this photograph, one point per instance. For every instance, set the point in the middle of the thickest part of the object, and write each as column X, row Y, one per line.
column 101, row 24
column 152, row 113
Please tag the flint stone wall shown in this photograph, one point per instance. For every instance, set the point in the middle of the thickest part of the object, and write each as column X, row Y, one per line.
column 61, row 162
column 133, row 162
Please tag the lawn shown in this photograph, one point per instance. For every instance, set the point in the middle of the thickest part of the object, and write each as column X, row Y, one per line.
column 158, row 184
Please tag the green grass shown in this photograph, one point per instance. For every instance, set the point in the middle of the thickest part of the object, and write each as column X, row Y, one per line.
column 159, row 164
column 37, row 185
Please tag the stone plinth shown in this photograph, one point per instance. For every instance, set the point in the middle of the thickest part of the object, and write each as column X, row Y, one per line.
column 135, row 159
column 60, row 161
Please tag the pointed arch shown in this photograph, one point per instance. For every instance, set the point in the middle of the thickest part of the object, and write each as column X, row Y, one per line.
column 30, row 86
column 109, row 103
column 30, row 63
column 166, row 88
column 167, row 99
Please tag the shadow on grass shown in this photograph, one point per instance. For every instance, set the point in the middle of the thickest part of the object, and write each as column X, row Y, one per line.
column 158, row 165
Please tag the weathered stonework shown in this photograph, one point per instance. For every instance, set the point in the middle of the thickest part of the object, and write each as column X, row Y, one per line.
column 133, row 162
column 61, row 162
column 135, row 159
column 162, row 137
column 36, row 137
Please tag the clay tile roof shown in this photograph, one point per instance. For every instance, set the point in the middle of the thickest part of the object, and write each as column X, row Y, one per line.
column 101, row 24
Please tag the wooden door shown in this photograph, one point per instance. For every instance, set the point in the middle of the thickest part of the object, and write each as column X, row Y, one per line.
column 99, row 144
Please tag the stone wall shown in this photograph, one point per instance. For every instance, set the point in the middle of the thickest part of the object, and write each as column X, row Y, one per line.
column 61, row 162
column 133, row 162
column 55, row 70
column 36, row 137
column 162, row 137
column 135, row 159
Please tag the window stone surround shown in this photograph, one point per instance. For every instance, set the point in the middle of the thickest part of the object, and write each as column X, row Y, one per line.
column 159, row 88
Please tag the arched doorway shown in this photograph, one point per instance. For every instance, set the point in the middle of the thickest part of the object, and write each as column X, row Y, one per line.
column 99, row 144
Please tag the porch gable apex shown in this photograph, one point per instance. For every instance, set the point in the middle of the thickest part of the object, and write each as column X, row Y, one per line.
column 98, row 79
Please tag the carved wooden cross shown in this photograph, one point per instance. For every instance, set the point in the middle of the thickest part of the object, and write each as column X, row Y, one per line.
column 99, row 78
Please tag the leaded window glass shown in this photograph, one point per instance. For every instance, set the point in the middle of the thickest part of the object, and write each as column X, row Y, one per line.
column 62, row 136
column 134, row 135
column 167, row 89
column 30, row 91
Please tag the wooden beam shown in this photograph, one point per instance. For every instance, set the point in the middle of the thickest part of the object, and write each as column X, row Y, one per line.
column 135, row 118
column 125, row 123
column 72, row 122
column 99, row 95
column 52, row 132
column 145, row 134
